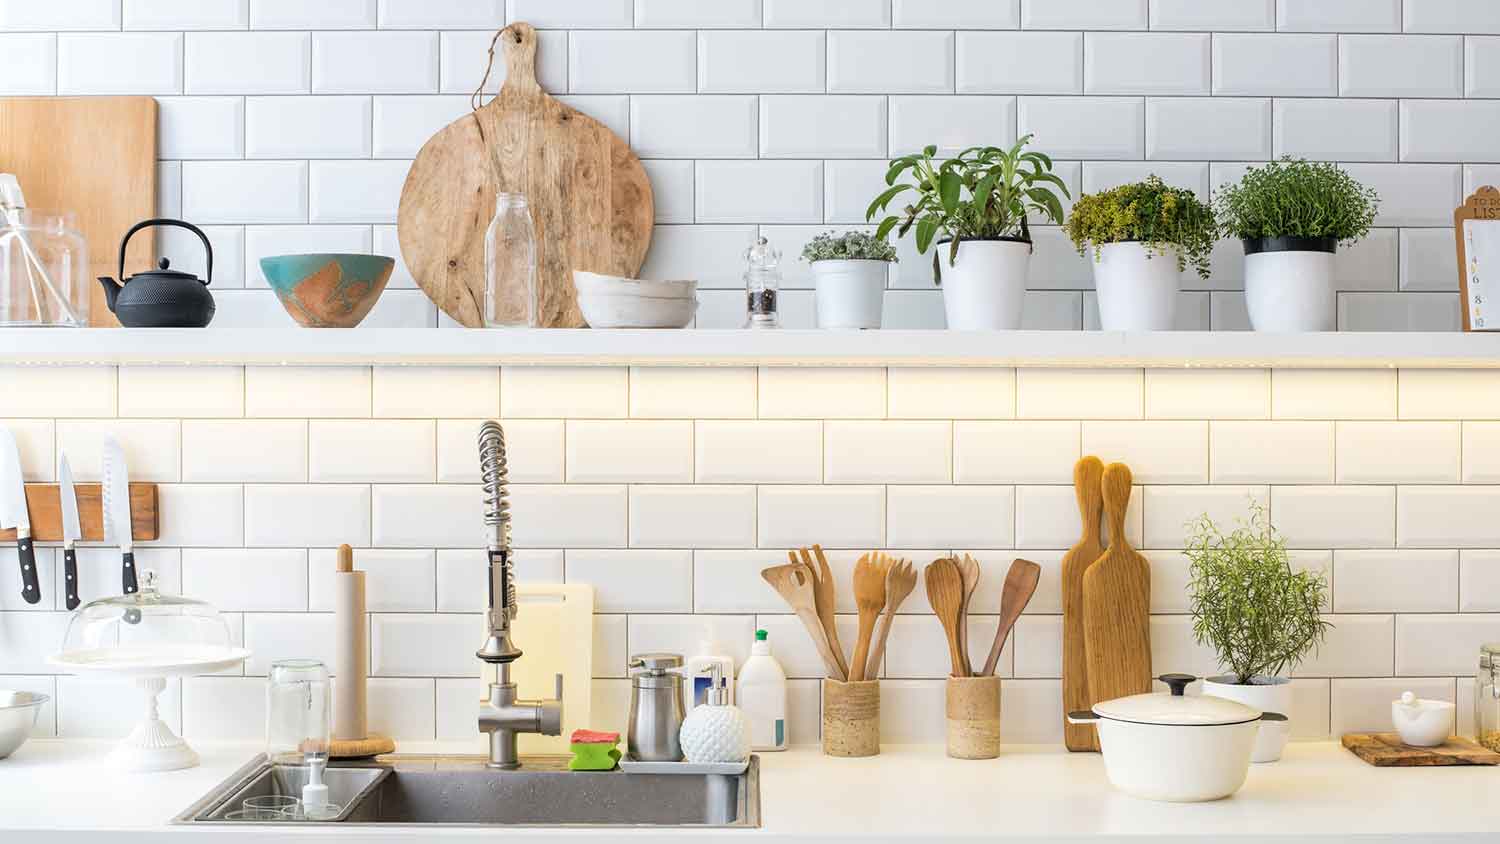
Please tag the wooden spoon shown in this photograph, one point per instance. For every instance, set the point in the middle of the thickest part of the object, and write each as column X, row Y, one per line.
column 826, row 596
column 794, row 584
column 945, row 591
column 1020, row 582
column 968, row 569
column 869, row 598
column 899, row 582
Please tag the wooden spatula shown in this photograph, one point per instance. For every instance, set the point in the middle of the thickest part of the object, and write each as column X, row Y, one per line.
column 1088, row 477
column 968, row 569
column 899, row 582
column 1020, row 583
column 945, row 591
column 826, row 595
column 1117, row 604
column 869, row 599
column 794, row 584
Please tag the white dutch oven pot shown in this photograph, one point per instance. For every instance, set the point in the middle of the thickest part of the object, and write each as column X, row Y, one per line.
column 1174, row 747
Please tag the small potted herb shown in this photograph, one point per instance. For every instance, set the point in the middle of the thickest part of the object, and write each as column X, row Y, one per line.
column 975, row 206
column 849, row 275
column 1260, row 617
column 1292, row 215
column 1143, row 236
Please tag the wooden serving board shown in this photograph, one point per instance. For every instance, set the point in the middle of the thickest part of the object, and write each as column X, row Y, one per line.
column 588, row 193
column 1088, row 475
column 95, row 157
column 1385, row 750
column 1117, row 604
column 46, row 512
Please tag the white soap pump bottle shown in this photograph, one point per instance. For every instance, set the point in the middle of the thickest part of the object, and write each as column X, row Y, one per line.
column 710, row 652
column 715, row 731
column 762, row 696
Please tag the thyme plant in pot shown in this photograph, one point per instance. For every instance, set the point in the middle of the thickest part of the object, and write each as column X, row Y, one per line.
column 1259, row 615
column 1143, row 236
column 974, row 208
column 849, row 275
column 1292, row 215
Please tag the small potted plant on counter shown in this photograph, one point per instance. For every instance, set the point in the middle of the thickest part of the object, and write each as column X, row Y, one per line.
column 1292, row 215
column 1260, row 617
column 1143, row 236
column 974, row 206
column 849, row 275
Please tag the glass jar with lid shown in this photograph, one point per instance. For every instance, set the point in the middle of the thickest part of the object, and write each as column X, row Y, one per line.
column 1487, row 697
column 44, row 269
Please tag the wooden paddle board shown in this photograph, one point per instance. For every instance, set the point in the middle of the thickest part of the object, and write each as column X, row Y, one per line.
column 1117, row 604
column 588, row 193
column 1088, row 475
column 554, row 628
column 95, row 157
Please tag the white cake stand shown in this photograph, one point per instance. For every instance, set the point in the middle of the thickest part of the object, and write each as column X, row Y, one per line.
column 151, row 746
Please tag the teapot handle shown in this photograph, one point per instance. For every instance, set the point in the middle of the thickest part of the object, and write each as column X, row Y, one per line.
column 208, row 249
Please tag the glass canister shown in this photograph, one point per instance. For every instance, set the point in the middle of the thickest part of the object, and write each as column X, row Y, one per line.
column 1487, row 697
column 299, row 712
column 762, row 285
column 44, row 269
column 510, row 282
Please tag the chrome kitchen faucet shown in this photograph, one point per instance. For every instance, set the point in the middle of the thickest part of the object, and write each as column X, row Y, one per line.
column 502, row 715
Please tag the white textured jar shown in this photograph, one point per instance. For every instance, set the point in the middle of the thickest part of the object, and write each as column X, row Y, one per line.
column 848, row 294
column 1268, row 694
column 1289, row 284
column 1136, row 287
column 985, row 286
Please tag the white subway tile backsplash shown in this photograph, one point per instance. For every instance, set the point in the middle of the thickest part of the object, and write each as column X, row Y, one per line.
column 215, row 62
column 447, row 14
column 1481, row 68
column 1333, row 394
column 1019, row 62
column 1395, row 581
column 634, row 62
column 1428, row 260
column 952, row 123
column 730, row 581
column 74, row 15
column 34, row 441
column 366, row 450
column 822, row 126
column 121, row 63
column 1335, row 517
column 1217, row 128
column 692, row 392
column 892, row 452
column 307, row 127
column 822, row 393
column 30, row 63
column 191, row 391
column 200, row 127
column 201, row 515
column 956, row 14
column 951, row 393
column 1109, row 128
column 1079, row 394
column 762, row 451
column 284, row 391
column 1168, row 510
column 326, row 14
column 897, row 62
column 1260, row 65
column 1091, row 14
column 1401, row 65
column 1156, row 451
column 1447, row 517
column 690, row 14
column 697, row 252
column 734, row 62
column 1443, row 130
column 1338, row 15
column 1449, row 394
column 1451, row 16
column 693, row 126
column 1441, row 645
column 1015, row 452
column 1481, row 452
column 1398, row 452
column 355, row 191
column 152, row 447
column 836, row 517
column 629, row 451
column 1414, row 194
column 464, row 54
column 757, row 191
column 245, row 191
column 635, row 581
column 177, row 14
column 424, row 516
column 1146, row 63
column 1208, row 393
column 672, row 192
column 692, row 516
column 555, row 392
column 576, row 14
column 261, row 451
column 420, row 645
column 291, row 515
column 403, row 123
column 31, row 391
column 1342, row 130
column 254, row 580
column 88, row 707
column 417, row 392
column 395, row 580
column 557, row 516
column 375, row 62
column 935, row 516
column 1047, row 517
column 1214, row 14
column 1271, row 452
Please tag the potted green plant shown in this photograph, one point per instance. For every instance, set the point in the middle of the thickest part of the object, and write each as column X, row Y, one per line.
column 1292, row 215
column 1143, row 236
column 977, row 203
column 1259, row 615
column 849, row 275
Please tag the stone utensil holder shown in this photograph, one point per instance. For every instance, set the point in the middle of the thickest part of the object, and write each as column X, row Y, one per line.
column 851, row 718
column 973, row 708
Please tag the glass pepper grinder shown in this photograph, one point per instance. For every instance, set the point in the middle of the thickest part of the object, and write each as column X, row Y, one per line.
column 762, row 285
column 1487, row 697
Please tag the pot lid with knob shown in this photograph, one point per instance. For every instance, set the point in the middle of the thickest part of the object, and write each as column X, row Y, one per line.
column 1179, row 709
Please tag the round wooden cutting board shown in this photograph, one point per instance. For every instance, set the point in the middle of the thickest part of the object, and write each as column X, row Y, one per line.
column 589, row 195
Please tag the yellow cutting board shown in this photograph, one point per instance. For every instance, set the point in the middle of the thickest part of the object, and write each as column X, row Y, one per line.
column 554, row 628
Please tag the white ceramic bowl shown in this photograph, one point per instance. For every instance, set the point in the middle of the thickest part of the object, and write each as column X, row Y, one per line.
column 18, row 712
column 598, row 284
column 636, row 311
column 1421, row 722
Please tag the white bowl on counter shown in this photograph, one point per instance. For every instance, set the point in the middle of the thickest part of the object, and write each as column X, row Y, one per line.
column 1421, row 722
column 18, row 711
column 613, row 302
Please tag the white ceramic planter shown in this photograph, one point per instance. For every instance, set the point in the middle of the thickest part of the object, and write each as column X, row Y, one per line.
column 986, row 285
column 1136, row 287
column 848, row 294
column 1291, row 291
column 1268, row 694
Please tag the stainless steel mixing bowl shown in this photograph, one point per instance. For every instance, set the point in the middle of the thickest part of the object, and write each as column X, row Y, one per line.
column 17, row 716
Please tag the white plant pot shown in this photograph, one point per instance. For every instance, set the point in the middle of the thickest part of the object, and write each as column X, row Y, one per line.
column 1268, row 694
column 1136, row 287
column 985, row 286
column 1291, row 291
column 848, row 294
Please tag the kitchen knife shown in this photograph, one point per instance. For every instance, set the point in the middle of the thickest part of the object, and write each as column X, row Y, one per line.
column 117, row 509
column 72, row 530
column 13, row 513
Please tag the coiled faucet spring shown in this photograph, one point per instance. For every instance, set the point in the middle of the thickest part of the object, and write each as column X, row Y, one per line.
column 494, row 476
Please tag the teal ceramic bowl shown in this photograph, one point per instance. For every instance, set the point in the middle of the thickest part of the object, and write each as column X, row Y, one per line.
column 327, row 290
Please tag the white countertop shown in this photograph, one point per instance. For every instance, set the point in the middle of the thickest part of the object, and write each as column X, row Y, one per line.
column 458, row 347
column 1317, row 792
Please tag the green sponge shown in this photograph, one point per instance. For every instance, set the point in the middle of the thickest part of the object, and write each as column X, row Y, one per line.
column 593, row 751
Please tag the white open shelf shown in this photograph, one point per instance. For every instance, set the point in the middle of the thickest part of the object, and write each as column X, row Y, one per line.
column 458, row 347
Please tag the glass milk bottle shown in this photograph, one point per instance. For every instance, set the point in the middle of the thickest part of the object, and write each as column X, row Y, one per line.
column 510, row 282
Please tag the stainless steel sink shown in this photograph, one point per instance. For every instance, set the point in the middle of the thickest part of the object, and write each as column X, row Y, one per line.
column 407, row 790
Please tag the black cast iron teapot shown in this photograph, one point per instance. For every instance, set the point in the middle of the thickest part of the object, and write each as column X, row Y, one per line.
column 162, row 298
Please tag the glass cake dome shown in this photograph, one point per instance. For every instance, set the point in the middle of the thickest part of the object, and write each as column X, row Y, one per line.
column 148, row 633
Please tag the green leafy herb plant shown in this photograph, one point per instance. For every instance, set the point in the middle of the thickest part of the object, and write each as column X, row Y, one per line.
column 1258, row 615
column 1297, row 198
column 1158, row 216
column 849, row 246
column 983, row 193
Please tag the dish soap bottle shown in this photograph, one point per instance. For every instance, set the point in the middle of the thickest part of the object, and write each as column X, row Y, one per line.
column 710, row 652
column 763, row 696
column 715, row 731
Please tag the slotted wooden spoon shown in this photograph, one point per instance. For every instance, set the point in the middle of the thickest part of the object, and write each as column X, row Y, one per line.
column 869, row 598
column 899, row 582
column 968, row 569
column 826, row 595
column 794, row 583
column 945, row 592
column 1020, row 583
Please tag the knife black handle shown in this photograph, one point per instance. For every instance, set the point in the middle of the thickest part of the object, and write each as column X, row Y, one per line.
column 31, row 590
column 127, row 563
column 70, row 577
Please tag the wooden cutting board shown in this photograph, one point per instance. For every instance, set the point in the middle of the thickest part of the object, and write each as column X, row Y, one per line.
column 554, row 628
column 1385, row 750
column 1088, row 475
column 96, row 157
column 589, row 196
column 1117, row 604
